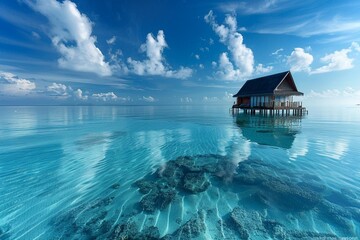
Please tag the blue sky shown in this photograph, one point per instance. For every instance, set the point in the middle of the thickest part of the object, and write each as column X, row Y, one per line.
column 175, row 52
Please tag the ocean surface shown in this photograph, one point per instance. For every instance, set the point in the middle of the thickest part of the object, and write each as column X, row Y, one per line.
column 178, row 172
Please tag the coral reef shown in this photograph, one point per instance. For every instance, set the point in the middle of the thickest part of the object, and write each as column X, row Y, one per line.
column 191, row 229
column 183, row 175
column 190, row 175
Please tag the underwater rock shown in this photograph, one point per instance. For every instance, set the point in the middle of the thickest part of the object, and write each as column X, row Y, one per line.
column 191, row 229
column 292, row 196
column 150, row 233
column 160, row 189
column 295, row 234
column 95, row 226
column 195, row 182
column 355, row 213
column 275, row 230
column 127, row 230
column 337, row 215
column 226, row 170
column 188, row 164
column 251, row 225
column 145, row 186
column 256, row 201
column 115, row 186
column 102, row 203
column 4, row 232
column 312, row 186
column 344, row 198
column 246, row 222
column 311, row 177
column 158, row 198
column 172, row 173
column 87, row 221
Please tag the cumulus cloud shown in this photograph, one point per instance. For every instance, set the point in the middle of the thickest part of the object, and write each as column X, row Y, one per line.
column 355, row 46
column 78, row 94
column 330, row 97
column 58, row 89
column 112, row 40
column 262, row 69
column 105, row 97
column 240, row 63
column 210, row 99
column 71, row 35
column 186, row 100
column 227, row 70
column 299, row 60
column 338, row 60
column 242, row 56
column 331, row 93
column 155, row 64
column 228, row 96
column 11, row 84
column 148, row 99
column 197, row 56
column 62, row 91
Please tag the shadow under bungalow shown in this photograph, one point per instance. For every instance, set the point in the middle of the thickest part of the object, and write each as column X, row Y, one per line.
column 271, row 94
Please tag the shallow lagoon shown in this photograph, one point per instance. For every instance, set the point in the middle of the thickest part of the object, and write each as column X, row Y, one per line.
column 108, row 172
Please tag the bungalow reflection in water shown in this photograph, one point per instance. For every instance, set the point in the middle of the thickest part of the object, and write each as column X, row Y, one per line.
column 278, row 131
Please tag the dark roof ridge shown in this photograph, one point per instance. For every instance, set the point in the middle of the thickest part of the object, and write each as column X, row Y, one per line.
column 267, row 85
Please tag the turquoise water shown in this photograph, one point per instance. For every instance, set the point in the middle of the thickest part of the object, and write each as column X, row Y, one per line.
column 178, row 173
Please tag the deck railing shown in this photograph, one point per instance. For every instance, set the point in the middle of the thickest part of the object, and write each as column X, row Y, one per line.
column 270, row 105
column 287, row 104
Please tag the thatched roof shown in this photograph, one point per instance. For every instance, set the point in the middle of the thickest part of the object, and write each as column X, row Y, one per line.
column 276, row 84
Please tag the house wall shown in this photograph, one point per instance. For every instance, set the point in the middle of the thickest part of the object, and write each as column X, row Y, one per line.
column 260, row 101
column 270, row 101
column 243, row 100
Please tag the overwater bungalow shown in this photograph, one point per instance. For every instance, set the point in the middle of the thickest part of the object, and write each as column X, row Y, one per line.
column 271, row 94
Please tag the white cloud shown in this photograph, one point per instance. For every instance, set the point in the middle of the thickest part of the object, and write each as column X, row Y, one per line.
column 201, row 66
column 35, row 35
column 197, row 56
column 277, row 52
column 155, row 64
column 355, row 46
column 261, row 69
column 112, row 40
column 62, row 91
column 58, row 89
column 227, row 70
column 253, row 7
column 299, row 60
column 241, row 63
column 71, row 35
column 311, row 25
column 105, row 97
column 330, row 97
column 228, row 96
column 186, row 100
column 336, row 61
column 148, row 99
column 331, row 93
column 78, row 94
column 11, row 84
column 210, row 99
